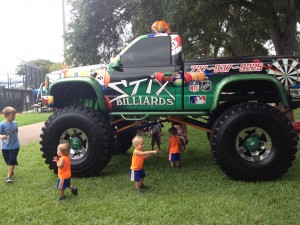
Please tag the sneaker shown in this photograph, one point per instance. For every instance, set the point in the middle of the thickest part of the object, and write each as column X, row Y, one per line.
column 74, row 191
column 143, row 186
column 9, row 180
column 139, row 191
column 61, row 198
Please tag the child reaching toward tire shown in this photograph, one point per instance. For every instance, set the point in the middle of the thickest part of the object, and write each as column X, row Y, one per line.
column 64, row 170
column 137, row 173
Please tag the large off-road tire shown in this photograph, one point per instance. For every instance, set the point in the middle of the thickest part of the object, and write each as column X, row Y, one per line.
column 89, row 134
column 123, row 141
column 253, row 142
column 220, row 110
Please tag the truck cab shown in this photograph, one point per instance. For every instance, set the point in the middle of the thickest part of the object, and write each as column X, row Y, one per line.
column 142, row 75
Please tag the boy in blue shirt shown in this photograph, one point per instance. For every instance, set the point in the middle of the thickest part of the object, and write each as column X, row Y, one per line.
column 10, row 141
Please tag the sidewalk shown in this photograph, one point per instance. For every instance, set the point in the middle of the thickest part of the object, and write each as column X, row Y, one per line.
column 30, row 133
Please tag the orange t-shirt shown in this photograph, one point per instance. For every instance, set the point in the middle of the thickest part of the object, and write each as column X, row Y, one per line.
column 174, row 144
column 65, row 172
column 137, row 161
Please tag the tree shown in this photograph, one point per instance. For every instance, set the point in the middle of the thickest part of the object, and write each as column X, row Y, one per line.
column 34, row 71
column 55, row 66
column 209, row 28
column 96, row 31
column 279, row 19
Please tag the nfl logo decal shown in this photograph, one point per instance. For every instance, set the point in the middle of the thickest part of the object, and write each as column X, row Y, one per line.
column 198, row 99
column 194, row 86
column 205, row 85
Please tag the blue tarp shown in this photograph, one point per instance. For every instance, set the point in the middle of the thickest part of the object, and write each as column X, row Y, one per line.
column 35, row 91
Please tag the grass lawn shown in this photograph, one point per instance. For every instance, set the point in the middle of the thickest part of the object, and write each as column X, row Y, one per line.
column 198, row 193
column 32, row 117
column 29, row 118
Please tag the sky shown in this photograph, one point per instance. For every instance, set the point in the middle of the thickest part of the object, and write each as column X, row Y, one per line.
column 29, row 30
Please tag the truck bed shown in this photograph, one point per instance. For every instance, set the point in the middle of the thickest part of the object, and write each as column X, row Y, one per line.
column 273, row 65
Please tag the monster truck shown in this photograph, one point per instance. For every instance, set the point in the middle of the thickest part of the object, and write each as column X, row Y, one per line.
column 100, row 107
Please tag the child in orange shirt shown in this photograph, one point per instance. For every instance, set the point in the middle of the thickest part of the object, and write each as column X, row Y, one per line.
column 174, row 147
column 137, row 173
column 64, row 170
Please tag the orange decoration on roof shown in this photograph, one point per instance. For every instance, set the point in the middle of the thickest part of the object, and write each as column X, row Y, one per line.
column 160, row 27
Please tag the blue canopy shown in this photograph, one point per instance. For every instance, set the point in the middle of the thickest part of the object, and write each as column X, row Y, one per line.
column 35, row 91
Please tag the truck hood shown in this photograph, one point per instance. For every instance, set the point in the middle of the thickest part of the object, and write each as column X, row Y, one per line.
column 82, row 71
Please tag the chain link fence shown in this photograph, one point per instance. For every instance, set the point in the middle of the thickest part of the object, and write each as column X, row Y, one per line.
column 22, row 100
column 17, row 90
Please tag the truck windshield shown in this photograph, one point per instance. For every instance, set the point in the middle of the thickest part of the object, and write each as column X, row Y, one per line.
column 154, row 51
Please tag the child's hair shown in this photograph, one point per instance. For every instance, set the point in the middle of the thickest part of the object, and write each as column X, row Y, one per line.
column 137, row 139
column 64, row 148
column 8, row 110
column 172, row 130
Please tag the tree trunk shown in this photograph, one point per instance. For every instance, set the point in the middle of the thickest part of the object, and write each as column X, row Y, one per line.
column 239, row 46
column 282, row 31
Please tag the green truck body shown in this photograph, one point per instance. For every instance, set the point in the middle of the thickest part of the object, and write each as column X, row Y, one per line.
column 102, row 106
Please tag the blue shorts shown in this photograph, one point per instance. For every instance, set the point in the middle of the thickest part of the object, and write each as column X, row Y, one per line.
column 10, row 156
column 63, row 184
column 174, row 157
column 136, row 175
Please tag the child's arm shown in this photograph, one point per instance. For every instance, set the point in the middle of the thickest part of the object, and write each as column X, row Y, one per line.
column 150, row 131
column 184, row 130
column 147, row 157
column 60, row 163
column 146, row 152
column 181, row 145
column 3, row 137
column 168, row 146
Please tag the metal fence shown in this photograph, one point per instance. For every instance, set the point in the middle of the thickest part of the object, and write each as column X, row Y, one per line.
column 33, row 75
column 21, row 100
column 16, row 90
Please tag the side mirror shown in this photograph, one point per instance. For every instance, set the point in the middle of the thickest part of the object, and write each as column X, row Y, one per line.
column 116, row 65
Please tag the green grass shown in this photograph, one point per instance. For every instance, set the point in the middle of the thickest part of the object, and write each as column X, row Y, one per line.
column 198, row 193
column 31, row 117
column 297, row 114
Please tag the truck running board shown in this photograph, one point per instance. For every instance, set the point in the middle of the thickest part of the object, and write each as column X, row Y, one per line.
column 176, row 119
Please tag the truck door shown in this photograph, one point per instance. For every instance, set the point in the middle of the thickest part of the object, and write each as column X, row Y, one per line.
column 143, row 77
